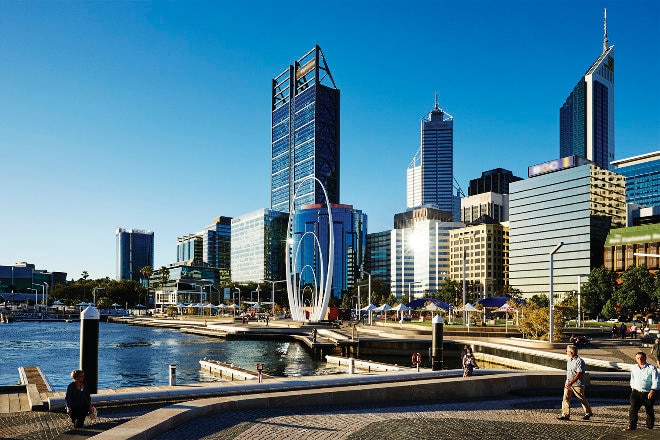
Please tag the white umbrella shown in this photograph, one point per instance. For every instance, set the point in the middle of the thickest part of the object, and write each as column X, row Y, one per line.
column 383, row 308
column 368, row 308
column 401, row 308
column 468, row 308
column 58, row 303
column 432, row 307
column 508, row 309
column 82, row 304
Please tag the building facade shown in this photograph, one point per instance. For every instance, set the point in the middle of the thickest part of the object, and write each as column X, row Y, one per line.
column 562, row 202
column 135, row 250
column 480, row 255
column 496, row 180
column 642, row 178
column 430, row 175
column 212, row 246
column 586, row 120
column 623, row 244
column 258, row 241
column 378, row 256
column 311, row 257
column 420, row 258
column 491, row 204
column 305, row 134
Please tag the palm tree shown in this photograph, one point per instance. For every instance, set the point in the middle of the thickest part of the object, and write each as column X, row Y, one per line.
column 146, row 272
column 84, row 276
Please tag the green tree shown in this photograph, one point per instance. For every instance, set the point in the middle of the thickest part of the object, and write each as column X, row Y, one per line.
column 534, row 321
column 598, row 289
column 450, row 291
column 540, row 300
column 635, row 293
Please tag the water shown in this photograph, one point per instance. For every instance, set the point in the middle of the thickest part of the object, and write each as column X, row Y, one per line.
column 132, row 356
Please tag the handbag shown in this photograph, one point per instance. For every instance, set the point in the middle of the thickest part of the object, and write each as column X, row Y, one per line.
column 93, row 414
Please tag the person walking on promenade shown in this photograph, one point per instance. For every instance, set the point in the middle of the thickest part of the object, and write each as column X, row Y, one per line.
column 623, row 330
column 78, row 399
column 575, row 385
column 469, row 363
column 644, row 385
column 633, row 331
column 615, row 331
column 655, row 351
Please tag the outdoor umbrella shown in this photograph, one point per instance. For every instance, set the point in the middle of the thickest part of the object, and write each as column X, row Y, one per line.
column 507, row 309
column 368, row 308
column 468, row 308
column 400, row 308
column 383, row 308
column 58, row 303
column 432, row 308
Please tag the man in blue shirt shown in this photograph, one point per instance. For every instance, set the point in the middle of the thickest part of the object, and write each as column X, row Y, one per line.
column 644, row 384
column 575, row 382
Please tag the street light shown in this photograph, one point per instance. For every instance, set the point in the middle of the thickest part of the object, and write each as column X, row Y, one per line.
column 36, row 291
column 273, row 293
column 94, row 293
column 579, row 295
column 552, row 301
column 239, row 300
column 409, row 294
column 368, row 294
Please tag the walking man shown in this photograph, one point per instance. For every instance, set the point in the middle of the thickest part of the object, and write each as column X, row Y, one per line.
column 575, row 385
column 644, row 385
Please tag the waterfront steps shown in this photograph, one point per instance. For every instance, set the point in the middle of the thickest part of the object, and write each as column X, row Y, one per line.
column 394, row 391
column 14, row 399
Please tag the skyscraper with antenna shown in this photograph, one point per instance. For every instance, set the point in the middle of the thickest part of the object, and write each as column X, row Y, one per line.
column 430, row 174
column 586, row 120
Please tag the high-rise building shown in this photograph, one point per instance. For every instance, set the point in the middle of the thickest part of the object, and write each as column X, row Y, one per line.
column 135, row 250
column 496, row 180
column 212, row 246
column 420, row 256
column 642, row 178
column 491, row 204
column 378, row 258
column 430, row 175
column 258, row 242
column 305, row 134
column 311, row 256
column 569, row 201
column 586, row 120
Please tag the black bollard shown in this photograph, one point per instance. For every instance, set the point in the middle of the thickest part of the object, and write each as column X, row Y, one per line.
column 89, row 347
column 436, row 345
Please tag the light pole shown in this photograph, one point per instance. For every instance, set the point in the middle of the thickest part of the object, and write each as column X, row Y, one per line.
column 551, row 336
column 368, row 294
column 579, row 294
column 239, row 300
column 409, row 291
column 94, row 293
column 36, row 291
column 273, row 292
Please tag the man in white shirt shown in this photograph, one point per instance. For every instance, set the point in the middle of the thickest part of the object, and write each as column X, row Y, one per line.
column 644, row 380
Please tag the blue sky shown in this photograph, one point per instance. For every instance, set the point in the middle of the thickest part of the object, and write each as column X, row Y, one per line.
column 156, row 115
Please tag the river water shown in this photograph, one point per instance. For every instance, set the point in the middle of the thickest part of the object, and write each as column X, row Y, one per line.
column 132, row 356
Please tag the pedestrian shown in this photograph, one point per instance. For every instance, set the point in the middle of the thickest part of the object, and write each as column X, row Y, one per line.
column 78, row 399
column 655, row 351
column 464, row 351
column 623, row 330
column 575, row 385
column 633, row 331
column 644, row 385
column 615, row 331
column 469, row 363
column 314, row 334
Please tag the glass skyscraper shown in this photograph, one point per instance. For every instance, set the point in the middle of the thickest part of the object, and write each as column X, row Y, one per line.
column 586, row 120
column 350, row 234
column 642, row 178
column 430, row 175
column 135, row 250
column 305, row 133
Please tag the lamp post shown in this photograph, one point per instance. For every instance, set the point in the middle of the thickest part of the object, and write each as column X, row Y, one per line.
column 409, row 291
column 579, row 295
column 94, row 293
column 36, row 291
column 552, row 293
column 239, row 300
column 368, row 294
column 273, row 292
column 357, row 305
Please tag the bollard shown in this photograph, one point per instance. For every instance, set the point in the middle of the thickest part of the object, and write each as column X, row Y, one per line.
column 89, row 347
column 172, row 375
column 437, row 325
column 351, row 366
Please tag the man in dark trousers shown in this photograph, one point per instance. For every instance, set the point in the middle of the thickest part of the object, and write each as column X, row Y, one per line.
column 644, row 385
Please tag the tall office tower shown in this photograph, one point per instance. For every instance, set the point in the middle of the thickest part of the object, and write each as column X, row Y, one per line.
column 430, row 175
column 586, row 120
column 135, row 250
column 212, row 246
column 496, row 180
column 305, row 134
column 569, row 201
column 378, row 258
column 642, row 175
column 420, row 252
column 258, row 242
column 311, row 256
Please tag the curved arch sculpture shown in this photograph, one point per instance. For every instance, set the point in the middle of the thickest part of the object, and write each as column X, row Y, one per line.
column 323, row 289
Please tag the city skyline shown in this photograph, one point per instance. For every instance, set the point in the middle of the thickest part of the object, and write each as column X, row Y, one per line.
column 156, row 116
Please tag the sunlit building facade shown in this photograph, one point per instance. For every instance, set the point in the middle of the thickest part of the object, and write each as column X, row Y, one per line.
column 628, row 247
column 642, row 178
column 305, row 134
column 565, row 201
column 378, row 259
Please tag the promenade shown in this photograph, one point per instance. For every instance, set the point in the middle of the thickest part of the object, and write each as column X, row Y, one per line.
column 470, row 411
